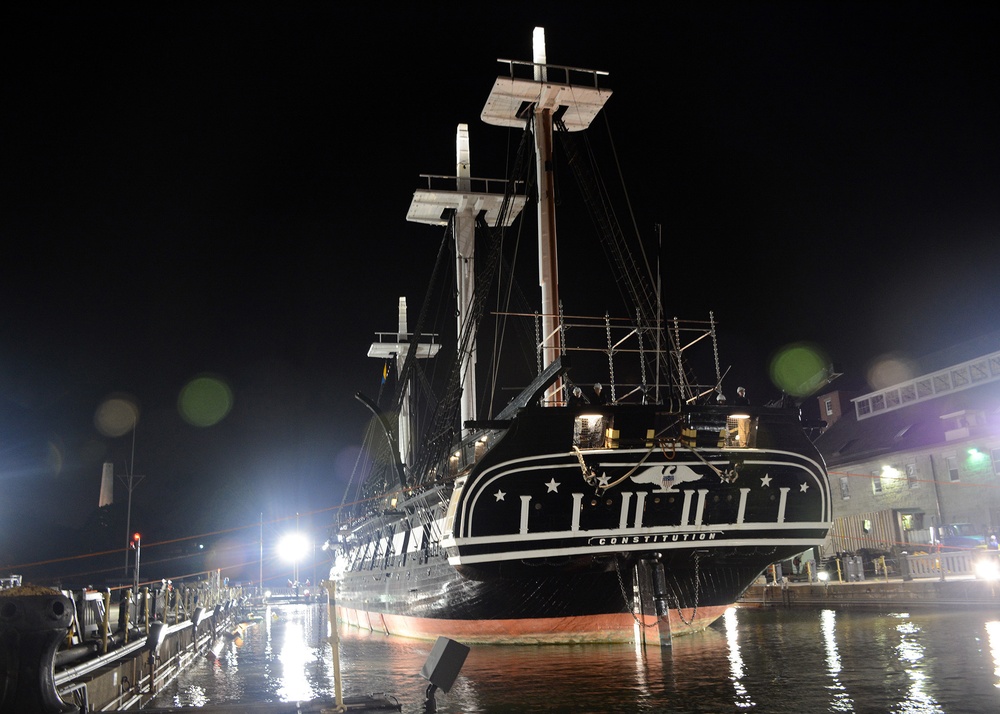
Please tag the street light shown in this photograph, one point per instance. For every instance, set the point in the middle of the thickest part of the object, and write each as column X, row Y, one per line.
column 293, row 547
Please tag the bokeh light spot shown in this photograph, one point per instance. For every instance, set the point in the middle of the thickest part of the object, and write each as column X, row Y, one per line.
column 205, row 401
column 889, row 369
column 799, row 369
column 116, row 416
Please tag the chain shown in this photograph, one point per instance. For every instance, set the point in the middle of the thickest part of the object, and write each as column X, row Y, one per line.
column 538, row 342
column 697, row 589
column 715, row 349
column 642, row 354
column 677, row 602
column 611, row 355
column 625, row 597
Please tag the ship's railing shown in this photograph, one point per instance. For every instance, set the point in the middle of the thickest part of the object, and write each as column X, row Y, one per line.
column 430, row 338
column 469, row 451
column 555, row 73
column 436, row 182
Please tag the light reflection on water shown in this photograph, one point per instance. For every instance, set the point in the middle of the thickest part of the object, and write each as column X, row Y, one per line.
column 840, row 699
column 993, row 635
column 742, row 699
column 780, row 661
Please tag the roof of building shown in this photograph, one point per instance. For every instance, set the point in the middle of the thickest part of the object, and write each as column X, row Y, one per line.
column 904, row 429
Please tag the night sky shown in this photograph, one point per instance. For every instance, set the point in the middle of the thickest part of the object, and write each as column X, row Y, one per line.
column 220, row 189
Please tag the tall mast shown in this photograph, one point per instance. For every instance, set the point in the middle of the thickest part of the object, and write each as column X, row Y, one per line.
column 389, row 345
column 439, row 203
column 548, row 94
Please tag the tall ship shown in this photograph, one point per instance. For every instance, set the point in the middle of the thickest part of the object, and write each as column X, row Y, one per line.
column 559, row 512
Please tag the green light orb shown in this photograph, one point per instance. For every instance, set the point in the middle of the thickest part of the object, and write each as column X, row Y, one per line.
column 799, row 369
column 205, row 401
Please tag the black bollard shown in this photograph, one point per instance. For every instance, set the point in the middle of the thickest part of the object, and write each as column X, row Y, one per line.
column 31, row 628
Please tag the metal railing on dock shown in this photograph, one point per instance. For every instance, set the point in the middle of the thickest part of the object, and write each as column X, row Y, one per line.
column 937, row 580
column 79, row 647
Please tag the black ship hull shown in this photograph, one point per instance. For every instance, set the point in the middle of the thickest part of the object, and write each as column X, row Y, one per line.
column 612, row 538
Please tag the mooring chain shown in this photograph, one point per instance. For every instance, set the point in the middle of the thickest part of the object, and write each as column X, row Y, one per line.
column 625, row 598
column 697, row 589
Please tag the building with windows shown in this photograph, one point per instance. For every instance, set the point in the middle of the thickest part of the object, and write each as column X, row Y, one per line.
column 916, row 465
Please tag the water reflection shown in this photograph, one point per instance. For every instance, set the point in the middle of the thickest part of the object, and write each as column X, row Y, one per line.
column 911, row 651
column 295, row 654
column 742, row 699
column 993, row 636
column 774, row 661
column 840, row 700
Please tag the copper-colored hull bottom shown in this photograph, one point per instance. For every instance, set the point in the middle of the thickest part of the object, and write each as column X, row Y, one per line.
column 619, row 627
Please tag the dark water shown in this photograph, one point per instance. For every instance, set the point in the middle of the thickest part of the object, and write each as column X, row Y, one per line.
column 751, row 660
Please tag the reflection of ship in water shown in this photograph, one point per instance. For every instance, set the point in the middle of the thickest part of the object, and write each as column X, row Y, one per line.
column 640, row 517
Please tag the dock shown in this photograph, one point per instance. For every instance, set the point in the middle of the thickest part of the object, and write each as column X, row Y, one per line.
column 884, row 593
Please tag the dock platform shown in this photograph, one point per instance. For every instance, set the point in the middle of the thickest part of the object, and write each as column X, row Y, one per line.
column 954, row 592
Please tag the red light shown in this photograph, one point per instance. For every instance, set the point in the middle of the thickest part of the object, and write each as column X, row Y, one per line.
column 135, row 537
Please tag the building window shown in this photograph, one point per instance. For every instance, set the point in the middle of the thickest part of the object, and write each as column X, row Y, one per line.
column 829, row 407
column 845, row 489
column 952, row 463
column 911, row 476
column 876, row 482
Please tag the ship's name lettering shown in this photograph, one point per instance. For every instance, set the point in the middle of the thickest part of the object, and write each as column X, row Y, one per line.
column 654, row 538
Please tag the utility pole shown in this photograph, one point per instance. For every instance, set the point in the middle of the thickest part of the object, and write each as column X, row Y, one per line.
column 130, row 481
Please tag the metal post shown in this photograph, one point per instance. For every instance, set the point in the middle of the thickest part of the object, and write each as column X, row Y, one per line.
column 331, row 614
column 135, row 577
column 105, row 622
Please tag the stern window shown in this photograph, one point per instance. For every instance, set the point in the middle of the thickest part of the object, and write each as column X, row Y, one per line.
column 588, row 430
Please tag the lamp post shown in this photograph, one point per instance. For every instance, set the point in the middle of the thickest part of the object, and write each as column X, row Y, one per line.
column 137, row 545
column 293, row 547
column 130, row 480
